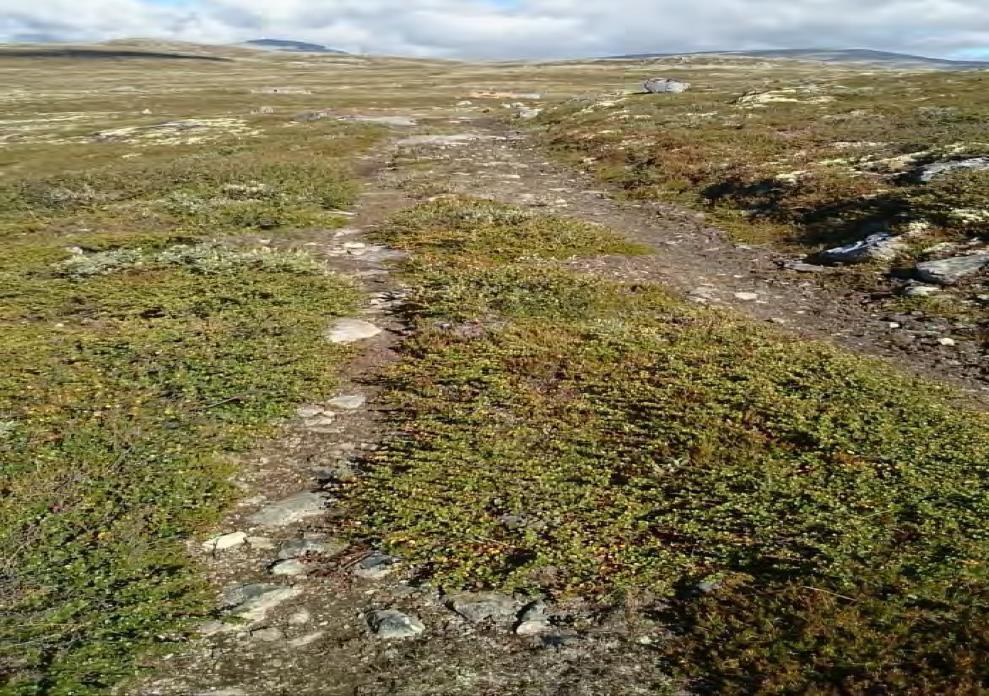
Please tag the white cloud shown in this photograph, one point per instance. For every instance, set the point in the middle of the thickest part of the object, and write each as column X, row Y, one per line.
column 520, row 28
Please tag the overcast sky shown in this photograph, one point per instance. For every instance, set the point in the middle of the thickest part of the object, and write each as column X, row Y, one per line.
column 520, row 28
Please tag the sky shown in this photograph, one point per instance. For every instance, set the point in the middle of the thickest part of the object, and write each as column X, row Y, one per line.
column 520, row 28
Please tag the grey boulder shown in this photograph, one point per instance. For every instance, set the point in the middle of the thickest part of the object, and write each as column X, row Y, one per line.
column 875, row 247
column 662, row 85
column 950, row 271
column 389, row 624
column 484, row 606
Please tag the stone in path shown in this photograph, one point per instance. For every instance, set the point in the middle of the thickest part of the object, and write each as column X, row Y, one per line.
column 389, row 624
column 484, row 606
column 252, row 602
column 351, row 331
column 376, row 566
column 291, row 567
column 533, row 621
column 225, row 541
column 293, row 509
column 348, row 402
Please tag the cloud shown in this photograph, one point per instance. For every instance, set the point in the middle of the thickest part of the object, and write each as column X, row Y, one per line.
column 519, row 28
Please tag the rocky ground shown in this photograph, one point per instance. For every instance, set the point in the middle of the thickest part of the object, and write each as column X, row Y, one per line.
column 299, row 611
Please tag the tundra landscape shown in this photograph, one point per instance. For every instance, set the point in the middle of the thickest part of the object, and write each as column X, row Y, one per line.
column 352, row 375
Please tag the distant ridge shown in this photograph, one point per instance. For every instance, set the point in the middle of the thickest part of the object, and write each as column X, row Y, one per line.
column 289, row 46
column 842, row 55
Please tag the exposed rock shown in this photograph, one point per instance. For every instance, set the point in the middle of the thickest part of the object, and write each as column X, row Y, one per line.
column 950, row 271
column 947, row 342
column 920, row 290
column 804, row 267
column 252, row 602
column 260, row 543
column 225, row 541
column 351, row 331
column 293, row 509
column 533, row 621
column 268, row 635
column 297, row 548
column 291, row 568
column 309, row 411
column 484, row 606
column 527, row 113
column 747, row 296
column 932, row 171
column 389, row 624
column 662, row 85
column 347, row 402
column 376, row 566
column 307, row 640
column 875, row 247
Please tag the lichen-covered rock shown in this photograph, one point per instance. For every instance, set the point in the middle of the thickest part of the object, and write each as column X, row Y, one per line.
column 875, row 247
column 950, row 271
column 662, row 85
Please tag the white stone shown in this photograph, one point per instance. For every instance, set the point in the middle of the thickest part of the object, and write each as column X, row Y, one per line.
column 351, row 331
column 948, row 342
column 225, row 541
column 291, row 568
column 746, row 296
column 347, row 401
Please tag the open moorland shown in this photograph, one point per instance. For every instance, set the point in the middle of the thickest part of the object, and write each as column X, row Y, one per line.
column 332, row 374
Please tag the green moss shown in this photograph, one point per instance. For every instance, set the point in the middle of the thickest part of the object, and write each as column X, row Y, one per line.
column 613, row 440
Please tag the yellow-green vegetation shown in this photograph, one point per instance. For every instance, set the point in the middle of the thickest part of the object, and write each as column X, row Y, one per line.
column 146, row 337
column 812, row 521
column 802, row 154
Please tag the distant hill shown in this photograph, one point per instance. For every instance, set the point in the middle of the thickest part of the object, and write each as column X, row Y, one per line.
column 290, row 46
column 844, row 55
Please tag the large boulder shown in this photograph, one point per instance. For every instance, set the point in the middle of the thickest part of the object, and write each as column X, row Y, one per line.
column 950, row 271
column 974, row 164
column 662, row 85
column 876, row 247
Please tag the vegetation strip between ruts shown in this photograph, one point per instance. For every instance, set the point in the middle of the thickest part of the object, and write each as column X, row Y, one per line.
column 146, row 335
column 804, row 520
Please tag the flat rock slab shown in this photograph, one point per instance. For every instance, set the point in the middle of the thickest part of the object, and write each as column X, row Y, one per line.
column 950, row 271
column 348, row 402
column 253, row 602
column 376, row 566
column 292, row 567
column 293, row 509
column 351, row 331
column 484, row 606
column 225, row 541
column 389, row 624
